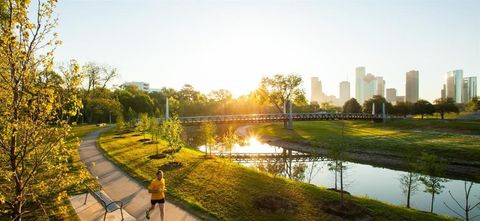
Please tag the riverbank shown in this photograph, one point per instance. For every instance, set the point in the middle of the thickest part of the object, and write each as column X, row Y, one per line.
column 382, row 145
column 228, row 191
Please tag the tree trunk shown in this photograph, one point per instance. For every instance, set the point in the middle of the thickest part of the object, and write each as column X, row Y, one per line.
column 422, row 116
column 441, row 115
column 431, row 205
column 409, row 189
column 341, row 183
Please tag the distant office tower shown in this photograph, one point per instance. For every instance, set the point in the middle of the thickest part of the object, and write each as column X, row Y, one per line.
column 411, row 86
column 391, row 95
column 454, row 85
column 141, row 85
column 400, row 99
column 344, row 92
column 316, row 90
column 369, row 86
column 380, row 86
column 444, row 92
column 469, row 88
column 359, row 75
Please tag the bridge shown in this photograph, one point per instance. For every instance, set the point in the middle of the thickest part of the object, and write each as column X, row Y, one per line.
column 286, row 156
column 262, row 118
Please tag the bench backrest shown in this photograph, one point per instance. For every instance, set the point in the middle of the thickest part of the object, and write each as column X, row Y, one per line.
column 104, row 200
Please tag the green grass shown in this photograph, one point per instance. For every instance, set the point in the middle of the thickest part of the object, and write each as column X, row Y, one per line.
column 450, row 139
column 215, row 188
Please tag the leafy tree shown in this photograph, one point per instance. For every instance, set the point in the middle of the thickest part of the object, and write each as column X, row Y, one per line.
column 229, row 139
column 120, row 122
column 352, row 106
column 143, row 124
column 423, row 107
column 378, row 101
column 445, row 105
column 171, row 131
column 299, row 171
column 207, row 136
column 154, row 131
column 403, row 108
column 33, row 155
column 70, row 100
column 433, row 169
column 338, row 156
column 473, row 105
column 279, row 90
column 409, row 181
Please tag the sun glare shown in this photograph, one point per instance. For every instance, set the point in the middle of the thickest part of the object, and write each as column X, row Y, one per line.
column 253, row 141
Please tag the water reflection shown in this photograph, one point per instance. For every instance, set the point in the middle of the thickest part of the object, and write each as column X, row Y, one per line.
column 362, row 180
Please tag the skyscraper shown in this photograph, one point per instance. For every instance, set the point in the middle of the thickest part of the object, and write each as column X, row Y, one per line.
column 391, row 95
column 469, row 88
column 370, row 86
column 344, row 92
column 359, row 75
column 316, row 86
column 411, row 86
column 380, row 86
column 454, row 85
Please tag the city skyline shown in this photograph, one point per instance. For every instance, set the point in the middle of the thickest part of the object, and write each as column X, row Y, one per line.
column 231, row 45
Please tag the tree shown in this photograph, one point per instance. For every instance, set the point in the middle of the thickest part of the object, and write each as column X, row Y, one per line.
column 473, row 105
column 229, row 139
column 433, row 169
column 279, row 90
column 445, row 105
column 338, row 156
column 468, row 207
column 32, row 151
column 423, row 107
column 120, row 122
column 378, row 101
column 409, row 181
column 70, row 101
column 154, row 129
column 352, row 106
column 207, row 136
column 402, row 108
column 143, row 124
column 171, row 131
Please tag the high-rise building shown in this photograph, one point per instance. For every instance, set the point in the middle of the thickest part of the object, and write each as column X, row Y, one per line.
column 469, row 88
column 316, row 90
column 359, row 75
column 380, row 86
column 411, row 86
column 370, row 86
column 400, row 99
column 344, row 92
column 444, row 92
column 391, row 95
column 454, row 85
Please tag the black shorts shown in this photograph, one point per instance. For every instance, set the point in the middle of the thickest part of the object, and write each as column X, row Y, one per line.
column 153, row 202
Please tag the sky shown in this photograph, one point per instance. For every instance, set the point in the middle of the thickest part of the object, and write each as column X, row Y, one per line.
column 233, row 44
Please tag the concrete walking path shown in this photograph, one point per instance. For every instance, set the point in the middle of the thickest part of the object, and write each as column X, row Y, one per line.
column 120, row 186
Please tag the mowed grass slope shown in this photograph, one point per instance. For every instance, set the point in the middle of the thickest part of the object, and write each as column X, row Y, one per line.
column 226, row 190
column 451, row 139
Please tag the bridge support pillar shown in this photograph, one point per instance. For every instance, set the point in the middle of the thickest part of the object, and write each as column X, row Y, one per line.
column 290, row 118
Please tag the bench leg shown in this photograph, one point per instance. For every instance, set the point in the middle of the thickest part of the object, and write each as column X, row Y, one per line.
column 121, row 212
column 105, row 216
column 86, row 195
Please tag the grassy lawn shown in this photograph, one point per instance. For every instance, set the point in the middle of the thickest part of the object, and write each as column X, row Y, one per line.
column 226, row 190
column 451, row 139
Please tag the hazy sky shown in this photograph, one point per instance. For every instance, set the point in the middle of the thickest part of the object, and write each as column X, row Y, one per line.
column 232, row 44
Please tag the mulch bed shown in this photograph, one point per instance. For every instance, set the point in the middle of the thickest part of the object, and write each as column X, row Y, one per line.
column 157, row 156
column 274, row 204
column 171, row 165
column 144, row 140
column 348, row 210
column 118, row 137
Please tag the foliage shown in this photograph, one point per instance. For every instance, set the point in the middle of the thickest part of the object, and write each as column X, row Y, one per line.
column 154, row 129
column 473, row 105
column 120, row 121
column 445, row 105
column 433, row 168
column 403, row 108
column 207, row 136
column 378, row 101
column 409, row 181
column 352, row 106
column 423, row 107
column 171, row 131
column 143, row 123
column 229, row 139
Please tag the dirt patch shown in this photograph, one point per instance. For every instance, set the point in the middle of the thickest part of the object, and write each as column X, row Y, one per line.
column 136, row 135
column 207, row 157
column 171, row 165
column 274, row 204
column 157, row 156
column 348, row 210
column 144, row 140
column 119, row 137
column 169, row 151
column 151, row 142
column 338, row 191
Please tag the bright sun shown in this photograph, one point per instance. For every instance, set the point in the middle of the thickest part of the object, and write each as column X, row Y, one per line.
column 253, row 141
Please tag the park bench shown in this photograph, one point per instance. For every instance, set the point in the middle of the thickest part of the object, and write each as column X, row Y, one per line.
column 108, row 204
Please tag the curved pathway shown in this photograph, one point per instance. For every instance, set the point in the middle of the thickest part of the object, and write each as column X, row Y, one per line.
column 120, row 186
